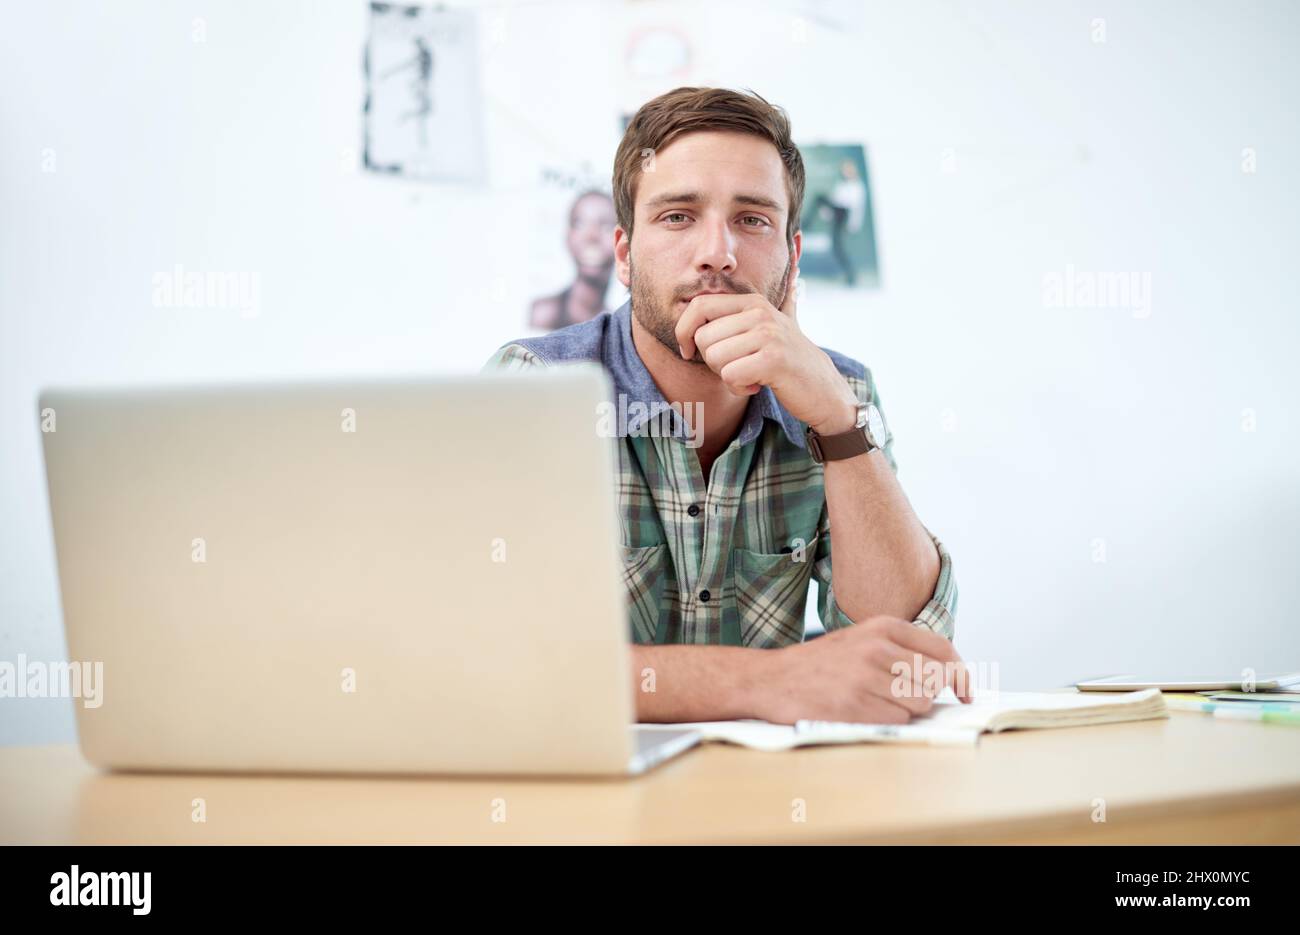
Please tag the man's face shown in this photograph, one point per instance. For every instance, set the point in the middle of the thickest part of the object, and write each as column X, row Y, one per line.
column 710, row 217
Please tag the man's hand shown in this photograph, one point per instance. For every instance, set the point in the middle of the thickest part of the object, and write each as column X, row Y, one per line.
column 881, row 671
column 750, row 344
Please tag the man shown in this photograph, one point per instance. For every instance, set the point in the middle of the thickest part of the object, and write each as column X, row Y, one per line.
column 728, row 498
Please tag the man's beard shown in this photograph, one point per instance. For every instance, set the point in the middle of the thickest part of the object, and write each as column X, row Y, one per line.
column 661, row 322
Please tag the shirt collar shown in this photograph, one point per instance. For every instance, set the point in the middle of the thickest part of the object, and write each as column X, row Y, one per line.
column 632, row 382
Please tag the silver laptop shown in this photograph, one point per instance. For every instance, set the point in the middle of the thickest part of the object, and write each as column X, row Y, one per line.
column 399, row 576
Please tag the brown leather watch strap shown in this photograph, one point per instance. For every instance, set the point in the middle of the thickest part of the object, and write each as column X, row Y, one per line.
column 848, row 444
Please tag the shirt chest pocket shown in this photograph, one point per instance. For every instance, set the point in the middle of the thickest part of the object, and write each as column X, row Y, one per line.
column 644, row 575
column 771, row 594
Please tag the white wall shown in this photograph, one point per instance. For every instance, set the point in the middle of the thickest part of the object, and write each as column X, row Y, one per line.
column 1024, row 432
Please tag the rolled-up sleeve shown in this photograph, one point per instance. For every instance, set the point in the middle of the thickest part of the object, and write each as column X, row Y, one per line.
column 939, row 614
column 512, row 357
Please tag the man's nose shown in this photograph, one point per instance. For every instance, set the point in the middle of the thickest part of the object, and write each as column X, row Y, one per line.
column 716, row 252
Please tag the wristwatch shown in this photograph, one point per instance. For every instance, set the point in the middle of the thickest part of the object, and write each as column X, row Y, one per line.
column 867, row 434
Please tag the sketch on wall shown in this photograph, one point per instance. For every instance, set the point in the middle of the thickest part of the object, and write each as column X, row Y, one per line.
column 423, row 106
column 839, row 238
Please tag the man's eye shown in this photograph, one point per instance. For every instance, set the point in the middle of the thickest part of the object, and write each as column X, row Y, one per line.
column 754, row 217
column 676, row 214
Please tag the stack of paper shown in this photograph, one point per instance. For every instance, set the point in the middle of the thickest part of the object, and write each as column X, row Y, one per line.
column 949, row 722
column 1272, row 699
column 1014, row 710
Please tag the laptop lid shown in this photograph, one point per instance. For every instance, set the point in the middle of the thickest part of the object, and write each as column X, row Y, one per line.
column 407, row 575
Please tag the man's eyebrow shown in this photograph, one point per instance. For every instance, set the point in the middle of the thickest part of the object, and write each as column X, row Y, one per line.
column 694, row 198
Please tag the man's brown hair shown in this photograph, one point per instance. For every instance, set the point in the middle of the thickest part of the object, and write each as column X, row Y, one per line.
column 687, row 110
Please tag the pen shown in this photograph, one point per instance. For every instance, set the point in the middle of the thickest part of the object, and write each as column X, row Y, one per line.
column 1271, row 713
column 888, row 733
column 1180, row 704
column 1289, row 718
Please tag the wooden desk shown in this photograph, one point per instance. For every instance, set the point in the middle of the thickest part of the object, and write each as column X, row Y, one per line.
column 1188, row 779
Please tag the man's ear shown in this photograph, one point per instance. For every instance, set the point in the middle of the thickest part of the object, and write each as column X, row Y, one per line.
column 623, row 256
column 798, row 246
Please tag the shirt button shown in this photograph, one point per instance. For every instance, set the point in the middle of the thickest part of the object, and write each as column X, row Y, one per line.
column 705, row 595
column 693, row 510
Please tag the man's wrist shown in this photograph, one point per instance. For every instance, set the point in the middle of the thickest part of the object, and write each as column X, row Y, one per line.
column 843, row 417
column 757, row 681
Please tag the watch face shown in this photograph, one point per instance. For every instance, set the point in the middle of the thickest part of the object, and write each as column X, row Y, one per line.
column 876, row 426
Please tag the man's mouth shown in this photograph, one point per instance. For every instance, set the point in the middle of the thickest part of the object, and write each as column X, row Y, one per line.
column 705, row 292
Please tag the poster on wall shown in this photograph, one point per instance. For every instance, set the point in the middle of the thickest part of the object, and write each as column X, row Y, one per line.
column 571, row 248
column 839, row 238
column 588, row 238
column 423, row 106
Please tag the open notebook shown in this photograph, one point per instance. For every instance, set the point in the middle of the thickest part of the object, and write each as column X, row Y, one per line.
column 949, row 722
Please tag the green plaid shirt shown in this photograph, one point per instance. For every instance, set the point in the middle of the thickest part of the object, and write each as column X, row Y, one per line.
column 728, row 561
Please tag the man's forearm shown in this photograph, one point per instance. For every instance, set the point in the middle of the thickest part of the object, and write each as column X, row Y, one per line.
column 884, row 562
column 696, row 683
